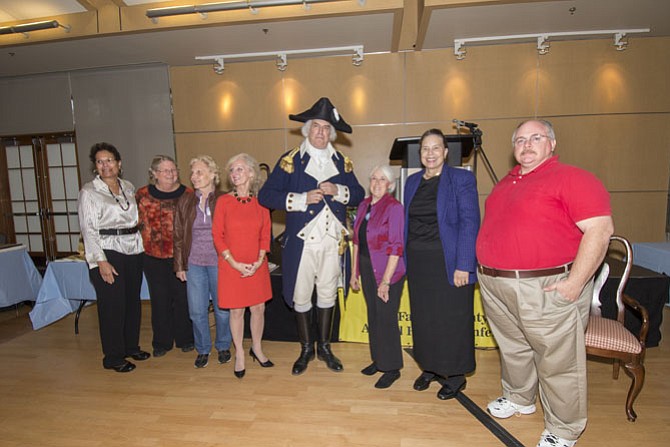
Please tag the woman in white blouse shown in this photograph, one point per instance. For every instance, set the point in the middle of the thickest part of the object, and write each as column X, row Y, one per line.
column 113, row 246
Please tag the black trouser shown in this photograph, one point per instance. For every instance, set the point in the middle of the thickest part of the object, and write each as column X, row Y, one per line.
column 383, row 330
column 119, row 310
column 170, row 321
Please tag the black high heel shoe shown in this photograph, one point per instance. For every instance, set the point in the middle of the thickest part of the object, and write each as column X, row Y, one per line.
column 240, row 374
column 265, row 364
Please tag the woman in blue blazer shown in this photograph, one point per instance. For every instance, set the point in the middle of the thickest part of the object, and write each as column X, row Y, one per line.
column 441, row 224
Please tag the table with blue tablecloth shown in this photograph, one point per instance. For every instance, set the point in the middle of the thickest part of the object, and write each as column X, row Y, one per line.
column 19, row 278
column 65, row 287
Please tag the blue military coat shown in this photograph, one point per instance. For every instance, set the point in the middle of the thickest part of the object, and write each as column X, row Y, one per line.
column 288, row 176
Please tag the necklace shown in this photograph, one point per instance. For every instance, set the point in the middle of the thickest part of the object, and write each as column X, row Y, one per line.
column 117, row 199
column 242, row 199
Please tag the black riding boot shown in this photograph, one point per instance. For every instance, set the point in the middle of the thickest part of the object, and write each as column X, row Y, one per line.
column 325, row 320
column 304, row 323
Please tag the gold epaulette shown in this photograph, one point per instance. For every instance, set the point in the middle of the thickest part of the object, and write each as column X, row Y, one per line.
column 343, row 243
column 348, row 164
column 286, row 162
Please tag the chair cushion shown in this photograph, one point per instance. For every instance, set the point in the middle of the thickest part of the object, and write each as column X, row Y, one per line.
column 603, row 333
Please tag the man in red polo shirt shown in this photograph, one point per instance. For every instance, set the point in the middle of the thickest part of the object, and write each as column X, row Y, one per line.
column 546, row 229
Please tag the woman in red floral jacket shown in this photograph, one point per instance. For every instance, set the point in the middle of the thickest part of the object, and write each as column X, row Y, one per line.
column 169, row 307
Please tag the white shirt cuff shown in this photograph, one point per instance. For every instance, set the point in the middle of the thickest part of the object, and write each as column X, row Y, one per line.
column 296, row 202
column 342, row 195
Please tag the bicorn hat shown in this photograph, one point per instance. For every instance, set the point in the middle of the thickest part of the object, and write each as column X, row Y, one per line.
column 323, row 109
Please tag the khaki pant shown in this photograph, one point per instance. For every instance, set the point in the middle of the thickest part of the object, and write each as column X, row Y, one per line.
column 541, row 340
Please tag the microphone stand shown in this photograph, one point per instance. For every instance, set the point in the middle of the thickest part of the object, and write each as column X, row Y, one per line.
column 477, row 136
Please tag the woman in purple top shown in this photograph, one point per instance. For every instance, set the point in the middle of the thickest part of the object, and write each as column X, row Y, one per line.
column 195, row 259
column 378, row 261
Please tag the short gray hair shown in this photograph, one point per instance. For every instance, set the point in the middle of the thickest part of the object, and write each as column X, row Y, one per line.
column 308, row 125
column 387, row 171
column 211, row 165
column 549, row 128
column 158, row 159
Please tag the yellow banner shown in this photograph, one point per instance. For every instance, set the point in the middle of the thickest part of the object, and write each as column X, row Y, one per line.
column 354, row 321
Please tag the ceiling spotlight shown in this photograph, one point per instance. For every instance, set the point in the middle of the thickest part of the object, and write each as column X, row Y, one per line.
column 218, row 65
column 459, row 51
column 620, row 41
column 542, row 45
column 357, row 58
column 281, row 62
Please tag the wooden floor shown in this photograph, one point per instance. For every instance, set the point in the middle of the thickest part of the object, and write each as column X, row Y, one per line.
column 55, row 393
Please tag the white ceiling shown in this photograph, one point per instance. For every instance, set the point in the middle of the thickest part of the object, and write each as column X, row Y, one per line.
column 374, row 31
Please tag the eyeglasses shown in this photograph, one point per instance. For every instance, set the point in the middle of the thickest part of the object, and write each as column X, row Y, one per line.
column 102, row 161
column 534, row 140
column 167, row 171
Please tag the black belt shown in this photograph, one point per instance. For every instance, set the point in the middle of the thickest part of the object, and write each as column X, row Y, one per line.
column 118, row 231
column 523, row 274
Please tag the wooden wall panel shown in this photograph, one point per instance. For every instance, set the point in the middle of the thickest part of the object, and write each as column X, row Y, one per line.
column 640, row 216
column 261, row 144
column 246, row 96
column 491, row 82
column 627, row 152
column 368, row 94
column 589, row 77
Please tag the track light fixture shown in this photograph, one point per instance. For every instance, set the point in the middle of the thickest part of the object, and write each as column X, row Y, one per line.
column 282, row 63
column 357, row 58
column 620, row 39
column 251, row 5
column 459, row 51
column 35, row 26
column 218, row 66
column 542, row 45
column 281, row 59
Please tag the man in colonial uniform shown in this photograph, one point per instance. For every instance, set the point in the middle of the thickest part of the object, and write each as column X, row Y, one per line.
column 314, row 184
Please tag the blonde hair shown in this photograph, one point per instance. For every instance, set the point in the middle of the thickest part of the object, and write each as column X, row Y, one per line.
column 211, row 165
column 254, row 168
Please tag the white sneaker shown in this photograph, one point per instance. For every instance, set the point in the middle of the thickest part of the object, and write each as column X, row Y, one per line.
column 551, row 440
column 503, row 408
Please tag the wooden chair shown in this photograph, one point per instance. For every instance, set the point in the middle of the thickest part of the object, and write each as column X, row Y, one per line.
column 610, row 339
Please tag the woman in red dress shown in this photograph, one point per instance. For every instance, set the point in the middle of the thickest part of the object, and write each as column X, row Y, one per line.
column 241, row 231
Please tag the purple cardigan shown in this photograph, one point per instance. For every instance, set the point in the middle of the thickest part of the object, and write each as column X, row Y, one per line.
column 385, row 234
